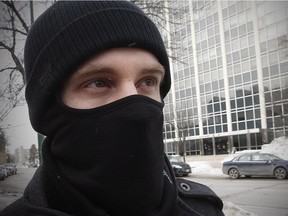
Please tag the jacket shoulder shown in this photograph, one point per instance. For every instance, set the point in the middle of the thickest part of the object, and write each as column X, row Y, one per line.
column 14, row 209
column 198, row 197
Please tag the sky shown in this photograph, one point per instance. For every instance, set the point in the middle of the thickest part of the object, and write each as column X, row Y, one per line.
column 18, row 129
column 16, row 125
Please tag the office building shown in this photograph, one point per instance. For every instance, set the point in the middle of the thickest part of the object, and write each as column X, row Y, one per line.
column 230, row 77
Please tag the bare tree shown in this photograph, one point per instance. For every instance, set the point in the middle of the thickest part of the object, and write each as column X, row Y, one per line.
column 14, row 29
column 3, row 143
column 163, row 13
column 15, row 20
column 33, row 154
column 181, row 124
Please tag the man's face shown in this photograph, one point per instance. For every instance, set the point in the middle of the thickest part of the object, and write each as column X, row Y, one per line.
column 112, row 75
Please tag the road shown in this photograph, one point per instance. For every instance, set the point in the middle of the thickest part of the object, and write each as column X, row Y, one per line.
column 261, row 196
column 13, row 187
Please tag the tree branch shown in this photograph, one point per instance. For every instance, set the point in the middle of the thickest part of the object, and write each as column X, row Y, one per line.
column 11, row 5
column 7, row 68
column 16, row 30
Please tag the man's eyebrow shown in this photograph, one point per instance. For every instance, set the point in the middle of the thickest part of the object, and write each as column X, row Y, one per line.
column 159, row 69
column 87, row 71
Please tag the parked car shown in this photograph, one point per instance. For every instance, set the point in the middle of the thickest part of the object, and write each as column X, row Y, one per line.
column 33, row 165
column 9, row 171
column 180, row 168
column 256, row 164
column 11, row 167
column 3, row 172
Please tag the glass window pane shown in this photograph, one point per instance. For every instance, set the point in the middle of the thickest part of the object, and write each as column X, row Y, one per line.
column 274, row 70
column 284, row 67
column 246, row 77
column 249, row 114
column 250, row 124
column 234, row 127
column 257, row 113
column 240, row 103
column 241, row 126
column 248, row 101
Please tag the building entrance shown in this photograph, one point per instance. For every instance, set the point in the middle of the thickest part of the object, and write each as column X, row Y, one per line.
column 216, row 145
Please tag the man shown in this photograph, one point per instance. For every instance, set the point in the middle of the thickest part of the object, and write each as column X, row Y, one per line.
column 97, row 73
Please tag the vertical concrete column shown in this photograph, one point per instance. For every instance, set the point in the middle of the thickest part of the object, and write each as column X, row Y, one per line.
column 225, row 74
column 196, row 70
column 259, row 73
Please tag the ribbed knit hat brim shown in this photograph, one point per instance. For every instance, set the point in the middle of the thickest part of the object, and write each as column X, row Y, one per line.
column 70, row 32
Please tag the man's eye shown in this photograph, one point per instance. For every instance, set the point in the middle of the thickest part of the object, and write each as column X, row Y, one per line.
column 97, row 84
column 150, row 82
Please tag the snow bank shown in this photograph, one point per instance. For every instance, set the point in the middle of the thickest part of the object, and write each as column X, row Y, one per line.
column 204, row 168
column 278, row 147
column 231, row 209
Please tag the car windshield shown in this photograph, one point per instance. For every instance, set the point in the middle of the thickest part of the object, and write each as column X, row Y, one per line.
column 273, row 157
column 175, row 159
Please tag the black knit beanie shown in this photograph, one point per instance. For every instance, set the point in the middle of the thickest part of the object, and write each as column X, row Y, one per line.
column 70, row 32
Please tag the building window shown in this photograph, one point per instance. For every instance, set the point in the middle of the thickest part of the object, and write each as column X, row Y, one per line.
column 246, row 77
column 284, row 67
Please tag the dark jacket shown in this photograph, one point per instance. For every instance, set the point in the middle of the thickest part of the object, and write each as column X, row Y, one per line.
column 193, row 199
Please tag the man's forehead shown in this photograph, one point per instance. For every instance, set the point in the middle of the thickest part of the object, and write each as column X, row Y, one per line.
column 111, row 59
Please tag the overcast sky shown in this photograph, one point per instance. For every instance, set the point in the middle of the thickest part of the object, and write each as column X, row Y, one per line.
column 18, row 129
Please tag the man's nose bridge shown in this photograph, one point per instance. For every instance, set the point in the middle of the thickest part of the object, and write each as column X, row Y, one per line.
column 128, row 89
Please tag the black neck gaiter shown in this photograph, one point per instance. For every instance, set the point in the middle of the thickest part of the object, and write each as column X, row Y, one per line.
column 113, row 154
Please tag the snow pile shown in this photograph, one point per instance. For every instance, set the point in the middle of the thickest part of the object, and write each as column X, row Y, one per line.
column 204, row 168
column 230, row 157
column 231, row 209
column 278, row 147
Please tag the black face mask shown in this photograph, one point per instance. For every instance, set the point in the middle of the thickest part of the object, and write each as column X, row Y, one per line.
column 113, row 154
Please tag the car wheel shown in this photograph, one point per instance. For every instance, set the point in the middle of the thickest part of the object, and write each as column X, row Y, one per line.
column 280, row 173
column 176, row 173
column 233, row 173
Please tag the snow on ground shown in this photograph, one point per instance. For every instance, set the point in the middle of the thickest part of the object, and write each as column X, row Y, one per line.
column 231, row 209
column 204, row 168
